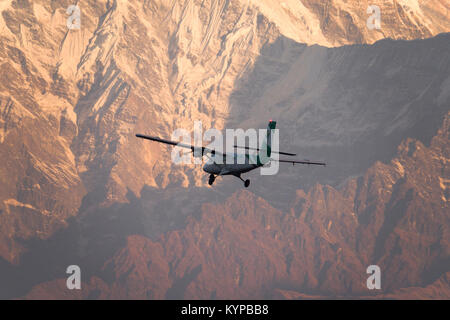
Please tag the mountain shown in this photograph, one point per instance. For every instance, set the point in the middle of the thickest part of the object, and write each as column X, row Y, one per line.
column 348, row 106
column 339, row 22
column 394, row 216
column 76, row 185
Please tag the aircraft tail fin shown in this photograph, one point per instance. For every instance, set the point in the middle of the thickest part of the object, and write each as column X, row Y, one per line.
column 266, row 146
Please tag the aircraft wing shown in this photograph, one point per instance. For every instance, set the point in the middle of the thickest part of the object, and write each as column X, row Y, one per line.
column 173, row 143
column 178, row 144
column 302, row 162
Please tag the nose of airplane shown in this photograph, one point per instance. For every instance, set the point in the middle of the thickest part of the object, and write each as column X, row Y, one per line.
column 211, row 168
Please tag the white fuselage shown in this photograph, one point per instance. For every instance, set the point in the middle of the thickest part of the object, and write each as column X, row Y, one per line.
column 234, row 165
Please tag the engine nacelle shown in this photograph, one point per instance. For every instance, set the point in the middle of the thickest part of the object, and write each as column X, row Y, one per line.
column 197, row 152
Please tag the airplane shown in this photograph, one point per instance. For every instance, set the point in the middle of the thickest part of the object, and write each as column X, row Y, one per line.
column 221, row 168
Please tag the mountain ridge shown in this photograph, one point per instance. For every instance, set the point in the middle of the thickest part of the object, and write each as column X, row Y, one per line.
column 316, row 246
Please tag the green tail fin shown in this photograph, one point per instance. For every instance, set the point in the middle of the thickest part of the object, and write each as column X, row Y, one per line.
column 266, row 146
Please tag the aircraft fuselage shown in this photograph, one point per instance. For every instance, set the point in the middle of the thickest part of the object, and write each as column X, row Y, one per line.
column 228, row 169
column 241, row 163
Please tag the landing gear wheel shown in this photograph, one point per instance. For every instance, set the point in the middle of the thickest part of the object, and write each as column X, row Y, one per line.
column 246, row 183
column 211, row 179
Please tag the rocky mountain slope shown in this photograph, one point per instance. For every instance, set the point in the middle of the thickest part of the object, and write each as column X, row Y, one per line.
column 72, row 100
column 394, row 216
column 336, row 22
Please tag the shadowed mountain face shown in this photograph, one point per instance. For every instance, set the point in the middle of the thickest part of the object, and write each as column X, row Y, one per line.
column 347, row 106
column 76, row 186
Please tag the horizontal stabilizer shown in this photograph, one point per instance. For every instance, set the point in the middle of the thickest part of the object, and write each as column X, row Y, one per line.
column 257, row 149
column 317, row 163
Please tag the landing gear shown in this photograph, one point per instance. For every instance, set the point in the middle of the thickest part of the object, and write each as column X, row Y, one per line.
column 211, row 179
column 246, row 182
